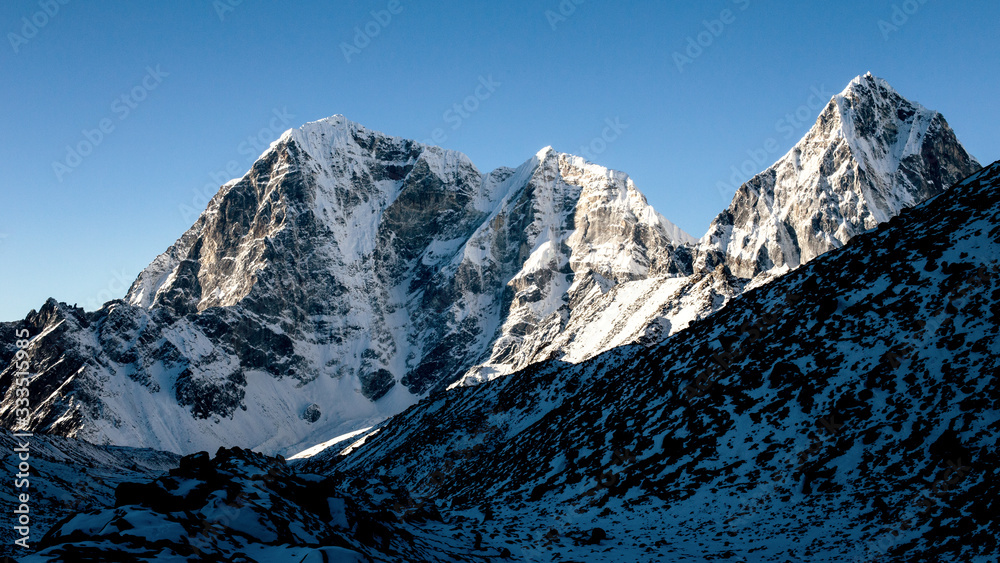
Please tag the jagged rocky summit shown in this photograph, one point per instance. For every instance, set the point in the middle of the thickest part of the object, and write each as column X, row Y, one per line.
column 870, row 154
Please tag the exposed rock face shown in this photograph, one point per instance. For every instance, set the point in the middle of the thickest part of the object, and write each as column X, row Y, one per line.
column 847, row 406
column 870, row 154
column 348, row 269
column 358, row 272
column 590, row 231
column 312, row 413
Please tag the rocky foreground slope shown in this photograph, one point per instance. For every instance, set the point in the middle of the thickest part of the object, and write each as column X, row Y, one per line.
column 847, row 411
column 350, row 273
column 64, row 476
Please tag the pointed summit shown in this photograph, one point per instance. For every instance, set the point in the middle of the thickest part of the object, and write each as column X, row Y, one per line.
column 867, row 81
column 870, row 154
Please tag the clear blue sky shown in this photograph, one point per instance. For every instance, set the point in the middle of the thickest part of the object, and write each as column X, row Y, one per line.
column 219, row 76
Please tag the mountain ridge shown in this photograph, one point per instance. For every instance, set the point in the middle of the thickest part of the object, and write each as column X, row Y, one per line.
column 349, row 273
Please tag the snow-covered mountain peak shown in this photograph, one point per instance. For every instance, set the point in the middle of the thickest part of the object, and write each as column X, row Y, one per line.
column 602, row 186
column 544, row 153
column 334, row 138
column 867, row 81
column 870, row 154
column 336, row 126
column 882, row 127
column 345, row 275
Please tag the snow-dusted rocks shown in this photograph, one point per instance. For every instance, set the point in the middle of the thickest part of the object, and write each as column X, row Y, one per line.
column 239, row 506
column 870, row 154
column 67, row 476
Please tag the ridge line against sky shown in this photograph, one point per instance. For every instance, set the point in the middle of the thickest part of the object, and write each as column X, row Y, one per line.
column 173, row 100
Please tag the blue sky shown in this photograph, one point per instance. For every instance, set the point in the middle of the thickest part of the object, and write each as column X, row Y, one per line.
column 184, row 90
